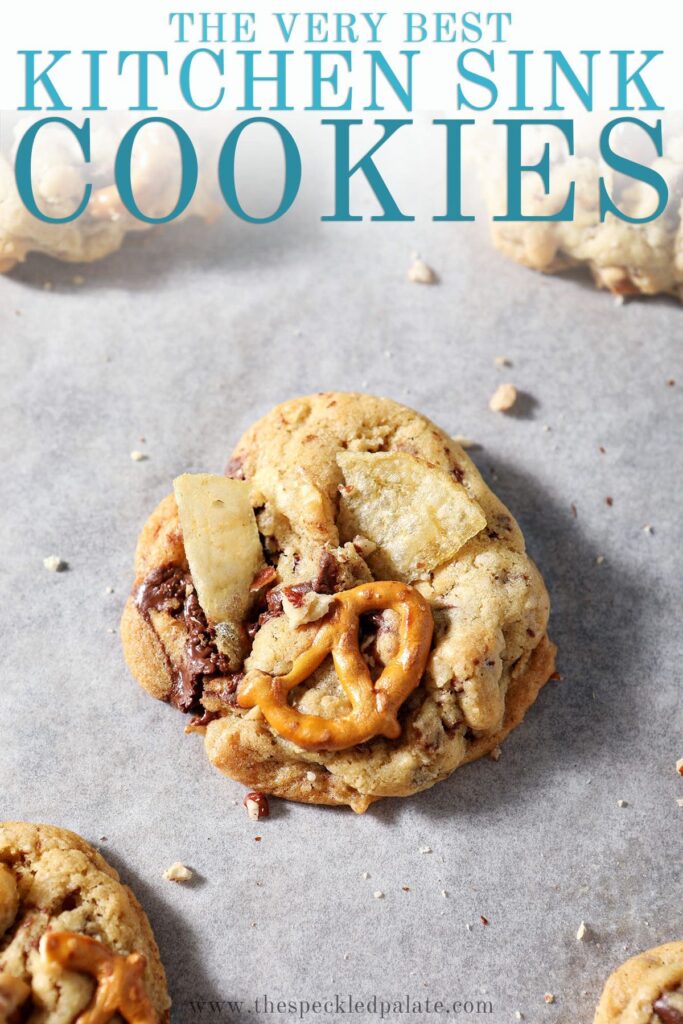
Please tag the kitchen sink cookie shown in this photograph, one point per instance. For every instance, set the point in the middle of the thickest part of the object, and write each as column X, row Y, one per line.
column 648, row 989
column 75, row 944
column 625, row 258
column 349, row 613
column 59, row 179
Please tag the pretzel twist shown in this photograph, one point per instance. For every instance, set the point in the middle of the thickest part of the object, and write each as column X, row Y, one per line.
column 120, row 987
column 374, row 707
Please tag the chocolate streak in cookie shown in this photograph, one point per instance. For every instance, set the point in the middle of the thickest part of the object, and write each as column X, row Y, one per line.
column 666, row 1013
column 169, row 589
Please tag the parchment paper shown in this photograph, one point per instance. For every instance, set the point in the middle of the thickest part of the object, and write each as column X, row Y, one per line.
column 183, row 339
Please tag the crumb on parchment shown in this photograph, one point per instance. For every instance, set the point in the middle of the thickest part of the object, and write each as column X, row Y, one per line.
column 503, row 398
column 420, row 272
column 54, row 564
column 177, row 873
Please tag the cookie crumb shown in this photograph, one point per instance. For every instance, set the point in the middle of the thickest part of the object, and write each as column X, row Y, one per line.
column 425, row 849
column 519, row 1015
column 679, row 766
column 109, row 590
column 680, row 802
column 378, row 894
column 609, row 501
column 54, row 564
column 363, row 546
column 600, row 559
column 496, row 754
column 366, row 875
column 177, row 873
column 420, row 272
column 503, row 398
column 547, row 428
column 622, row 803
column 469, row 927
column 549, row 998
column 256, row 805
column 464, row 442
column 581, row 932
column 78, row 279
column 484, row 920
column 406, row 888
column 619, row 300
column 444, row 893
column 648, row 528
column 137, row 456
column 501, row 361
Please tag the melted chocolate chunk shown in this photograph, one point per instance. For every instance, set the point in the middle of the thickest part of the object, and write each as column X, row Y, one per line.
column 162, row 591
column 203, row 660
column 667, row 1014
column 168, row 588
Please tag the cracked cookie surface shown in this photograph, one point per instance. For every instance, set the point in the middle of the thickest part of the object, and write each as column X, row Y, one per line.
column 490, row 653
column 647, row 989
column 52, row 880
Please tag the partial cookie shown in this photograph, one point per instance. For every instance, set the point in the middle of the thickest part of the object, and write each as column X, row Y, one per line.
column 73, row 938
column 381, row 546
column 626, row 258
column 648, row 989
column 59, row 180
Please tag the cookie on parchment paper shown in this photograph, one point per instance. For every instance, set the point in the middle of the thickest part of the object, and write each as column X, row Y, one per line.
column 73, row 939
column 647, row 989
column 335, row 500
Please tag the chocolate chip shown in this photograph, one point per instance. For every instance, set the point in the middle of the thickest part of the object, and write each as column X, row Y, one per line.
column 667, row 1014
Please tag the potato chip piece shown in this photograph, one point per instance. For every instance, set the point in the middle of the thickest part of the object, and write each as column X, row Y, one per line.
column 221, row 542
column 417, row 515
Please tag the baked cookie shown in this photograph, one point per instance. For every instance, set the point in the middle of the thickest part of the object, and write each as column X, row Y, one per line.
column 625, row 258
column 346, row 525
column 75, row 944
column 59, row 179
column 648, row 989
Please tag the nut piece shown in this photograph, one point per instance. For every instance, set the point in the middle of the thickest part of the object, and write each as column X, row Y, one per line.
column 679, row 766
column 257, row 805
column 177, row 873
column 421, row 273
column 313, row 606
column 54, row 564
column 549, row 997
column 503, row 398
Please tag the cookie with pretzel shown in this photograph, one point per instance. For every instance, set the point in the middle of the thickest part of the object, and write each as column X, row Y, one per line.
column 347, row 613
column 75, row 944
column 647, row 989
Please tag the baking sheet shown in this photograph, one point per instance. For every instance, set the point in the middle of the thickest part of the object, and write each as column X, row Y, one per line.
column 184, row 338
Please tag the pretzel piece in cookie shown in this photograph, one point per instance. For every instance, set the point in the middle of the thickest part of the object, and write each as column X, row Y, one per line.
column 373, row 707
column 120, row 988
